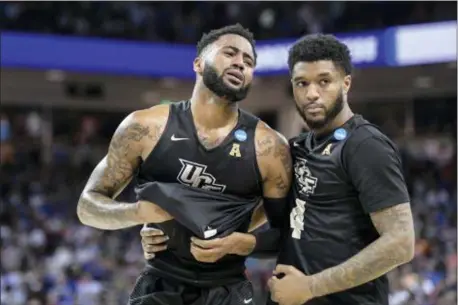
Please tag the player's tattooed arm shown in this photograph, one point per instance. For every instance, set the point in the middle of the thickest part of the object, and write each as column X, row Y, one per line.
column 394, row 247
column 131, row 142
column 275, row 164
column 274, row 161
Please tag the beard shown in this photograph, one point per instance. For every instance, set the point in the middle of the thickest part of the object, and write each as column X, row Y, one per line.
column 216, row 84
column 329, row 114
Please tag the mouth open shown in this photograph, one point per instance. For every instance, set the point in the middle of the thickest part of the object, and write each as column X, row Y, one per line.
column 235, row 78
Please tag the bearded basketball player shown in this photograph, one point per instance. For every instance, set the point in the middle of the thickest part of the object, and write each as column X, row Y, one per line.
column 206, row 142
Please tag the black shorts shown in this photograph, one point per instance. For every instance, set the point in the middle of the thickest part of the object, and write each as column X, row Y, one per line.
column 152, row 289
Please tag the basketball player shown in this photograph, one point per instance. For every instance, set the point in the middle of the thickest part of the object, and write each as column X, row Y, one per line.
column 205, row 143
column 350, row 220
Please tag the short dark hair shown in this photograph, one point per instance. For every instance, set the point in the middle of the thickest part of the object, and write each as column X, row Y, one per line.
column 315, row 47
column 214, row 35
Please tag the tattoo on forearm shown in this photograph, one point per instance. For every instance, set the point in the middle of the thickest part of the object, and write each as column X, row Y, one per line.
column 393, row 248
column 104, row 213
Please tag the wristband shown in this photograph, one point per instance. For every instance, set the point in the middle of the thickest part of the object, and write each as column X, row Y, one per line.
column 267, row 241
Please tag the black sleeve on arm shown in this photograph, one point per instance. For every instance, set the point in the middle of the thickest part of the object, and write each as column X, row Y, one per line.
column 268, row 240
column 375, row 169
column 275, row 209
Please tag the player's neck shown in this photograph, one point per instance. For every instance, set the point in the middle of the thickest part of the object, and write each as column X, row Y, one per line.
column 344, row 115
column 211, row 111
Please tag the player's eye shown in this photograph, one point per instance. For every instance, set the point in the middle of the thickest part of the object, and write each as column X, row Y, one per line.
column 301, row 84
column 249, row 63
column 324, row 82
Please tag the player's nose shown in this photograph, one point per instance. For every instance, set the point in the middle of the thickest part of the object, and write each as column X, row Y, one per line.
column 312, row 94
column 237, row 63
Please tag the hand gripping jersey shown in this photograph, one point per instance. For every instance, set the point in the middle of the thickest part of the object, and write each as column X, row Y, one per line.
column 210, row 192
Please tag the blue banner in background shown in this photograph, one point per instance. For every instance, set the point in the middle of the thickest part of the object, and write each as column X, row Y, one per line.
column 367, row 49
column 397, row 46
column 96, row 55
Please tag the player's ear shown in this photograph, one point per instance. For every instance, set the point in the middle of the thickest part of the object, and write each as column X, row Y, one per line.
column 347, row 83
column 198, row 65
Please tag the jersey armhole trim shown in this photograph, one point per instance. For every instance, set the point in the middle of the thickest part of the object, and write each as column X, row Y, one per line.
column 160, row 140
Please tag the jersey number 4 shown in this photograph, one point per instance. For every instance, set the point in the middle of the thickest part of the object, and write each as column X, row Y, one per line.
column 297, row 218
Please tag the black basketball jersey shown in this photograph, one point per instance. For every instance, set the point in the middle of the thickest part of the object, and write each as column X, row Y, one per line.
column 230, row 168
column 328, row 223
column 179, row 156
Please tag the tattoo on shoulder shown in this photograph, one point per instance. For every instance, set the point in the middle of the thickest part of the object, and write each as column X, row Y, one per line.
column 282, row 151
column 265, row 146
column 134, row 132
column 124, row 155
column 271, row 148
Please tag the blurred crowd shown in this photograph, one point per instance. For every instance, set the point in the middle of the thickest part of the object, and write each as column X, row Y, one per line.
column 185, row 21
column 430, row 169
column 49, row 258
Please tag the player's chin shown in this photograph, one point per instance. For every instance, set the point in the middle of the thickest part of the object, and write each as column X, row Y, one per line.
column 316, row 117
column 315, row 121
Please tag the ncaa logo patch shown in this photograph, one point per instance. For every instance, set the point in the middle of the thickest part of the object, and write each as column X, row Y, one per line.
column 340, row 134
column 240, row 135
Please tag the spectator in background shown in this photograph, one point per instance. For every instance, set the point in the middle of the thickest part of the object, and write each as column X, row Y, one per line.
column 5, row 128
column 184, row 21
